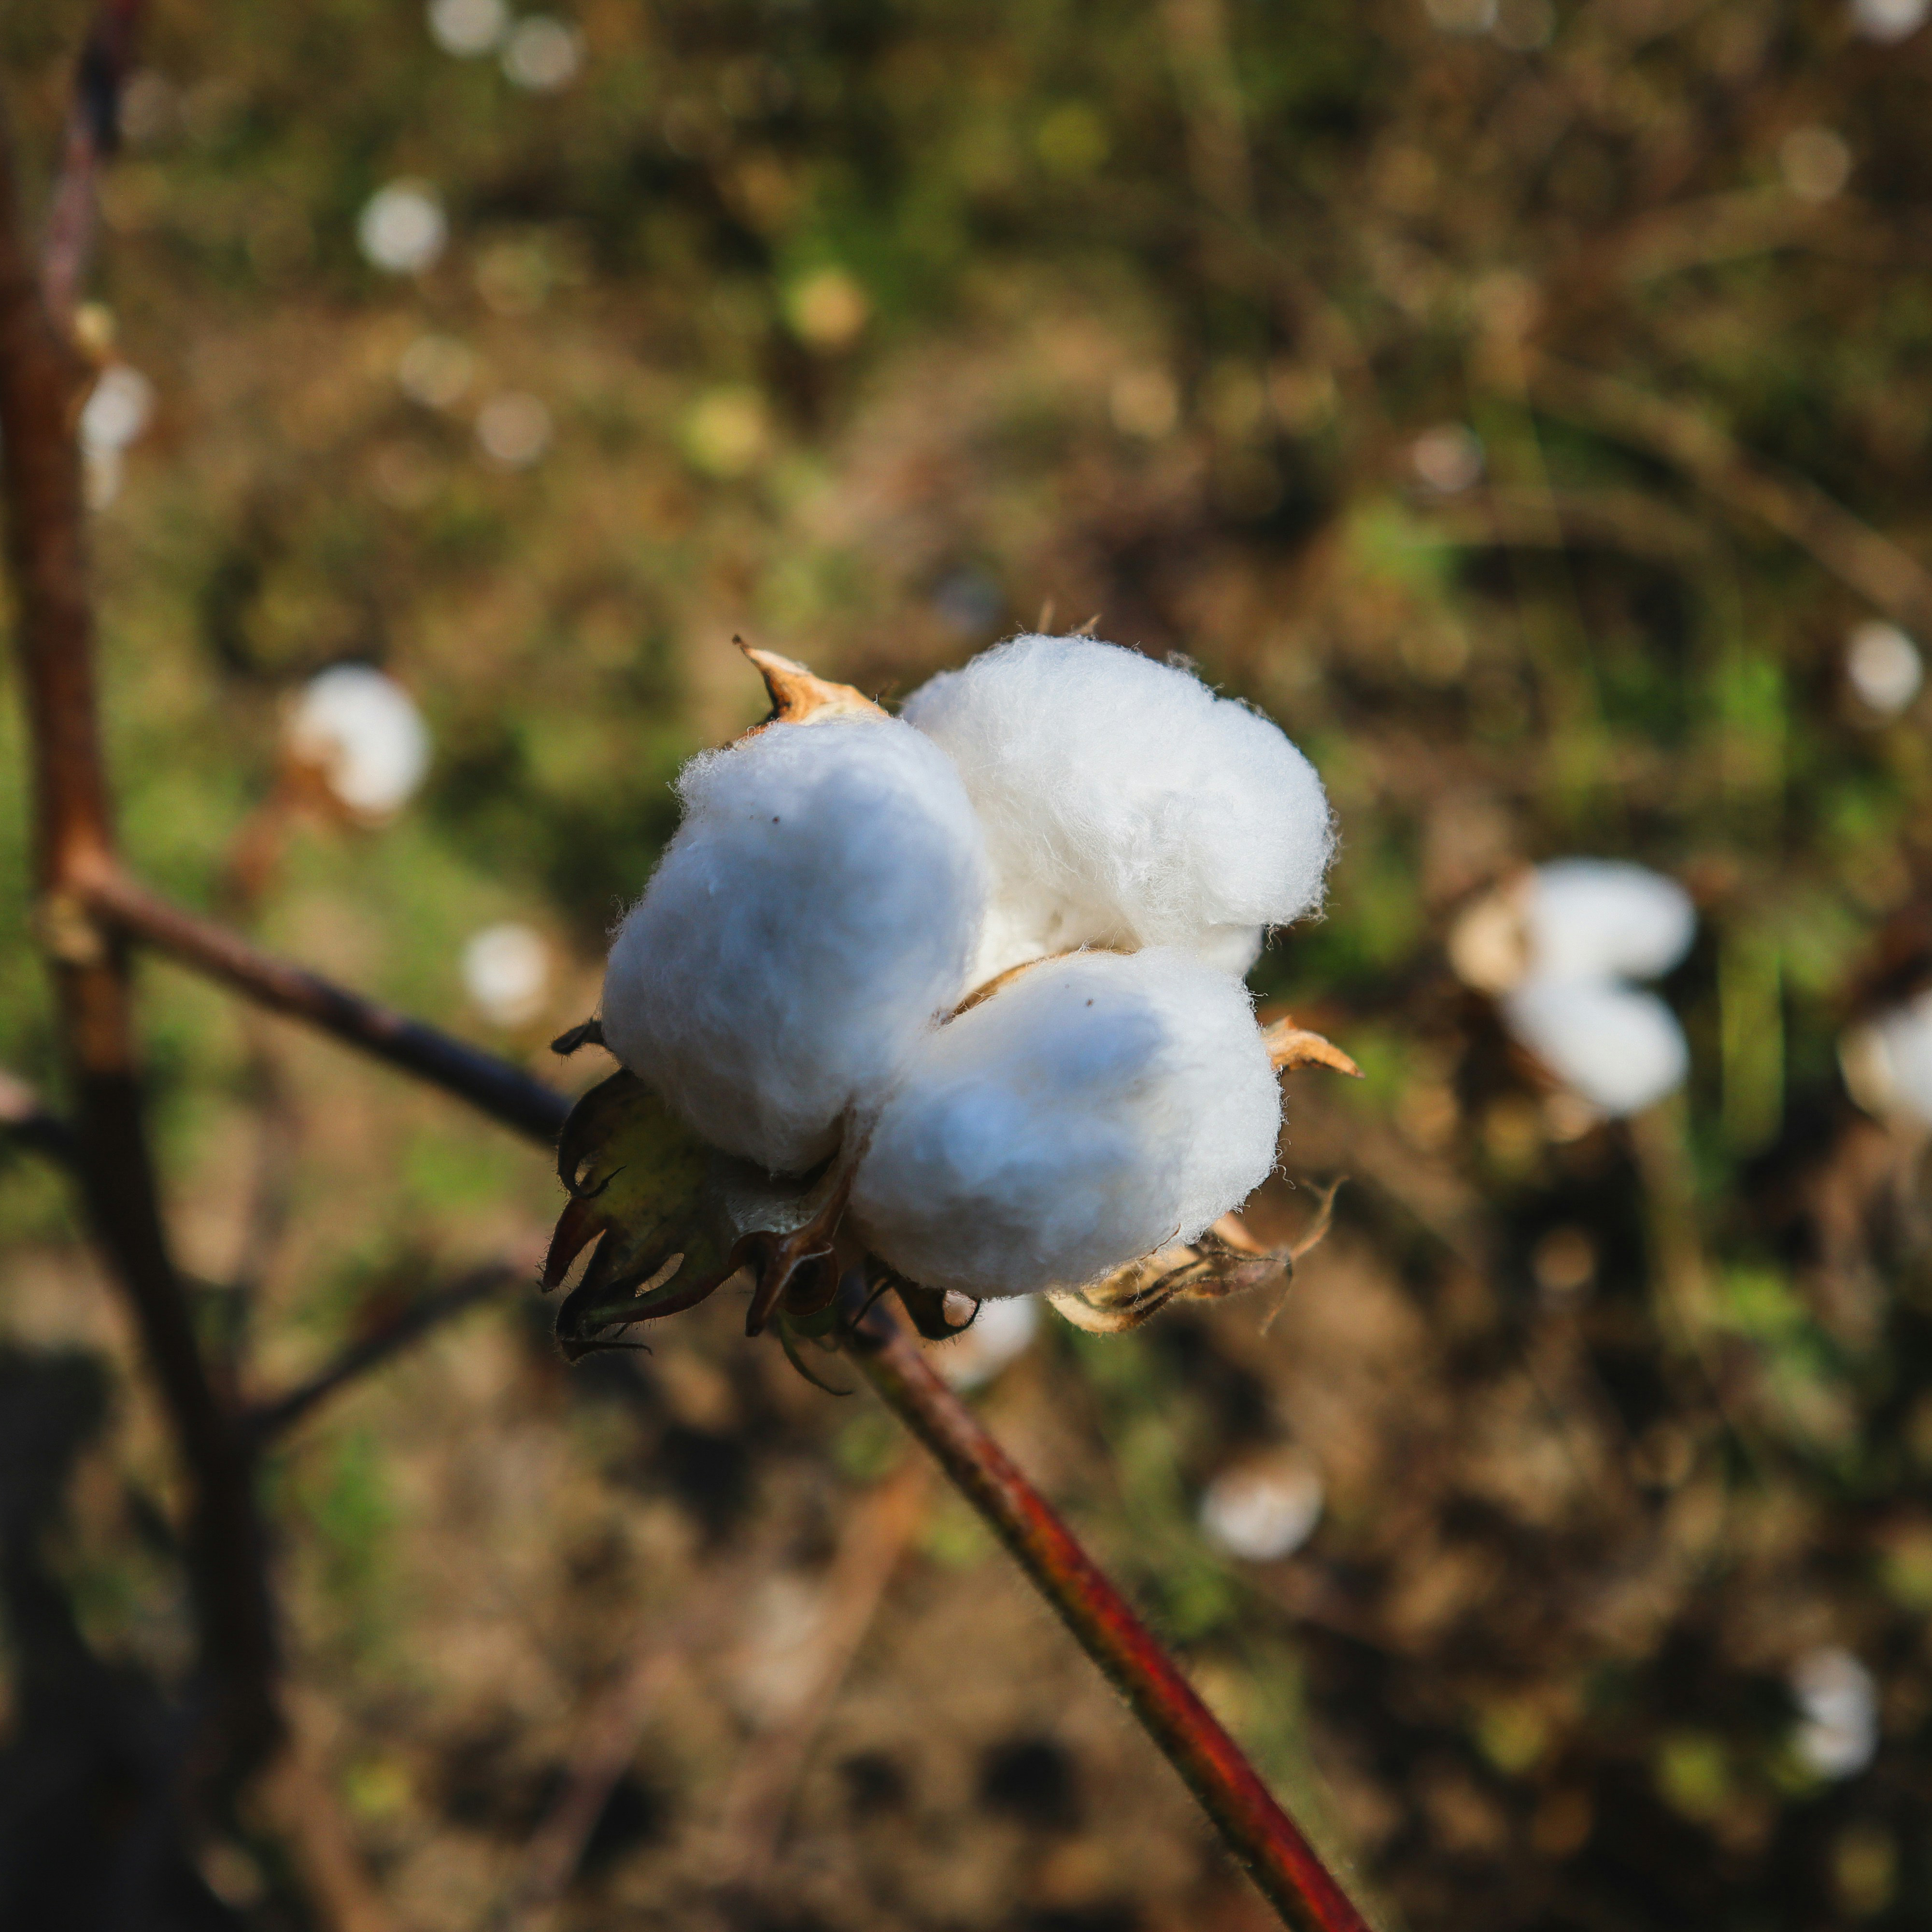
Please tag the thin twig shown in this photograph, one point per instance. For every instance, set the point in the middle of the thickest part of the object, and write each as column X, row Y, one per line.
column 500, row 1089
column 40, row 379
column 1849, row 549
column 266, row 1421
column 1258, row 1832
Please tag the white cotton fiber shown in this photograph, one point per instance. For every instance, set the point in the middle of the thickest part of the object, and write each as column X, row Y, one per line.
column 1095, row 1108
column 1903, row 1039
column 814, row 914
column 1620, row 1049
column 1125, row 805
column 362, row 731
column 1597, row 918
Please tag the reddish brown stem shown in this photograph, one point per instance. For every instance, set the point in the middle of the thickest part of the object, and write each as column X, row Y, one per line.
column 502, row 1090
column 40, row 385
column 93, row 131
column 1259, row 1833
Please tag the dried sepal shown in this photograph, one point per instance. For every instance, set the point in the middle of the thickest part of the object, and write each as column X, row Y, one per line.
column 938, row 1314
column 800, row 697
column 1229, row 1259
column 672, row 1220
column 586, row 1033
column 1290, row 1046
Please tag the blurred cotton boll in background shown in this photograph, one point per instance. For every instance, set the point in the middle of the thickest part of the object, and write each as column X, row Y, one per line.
column 1448, row 458
column 1554, row 947
column 360, row 730
column 1837, row 1733
column 1889, row 20
column 1884, row 667
column 468, row 27
column 542, row 54
column 1261, row 1511
column 1002, row 1331
column 118, row 410
column 401, row 229
column 513, row 429
column 1590, row 917
column 1618, row 1048
column 1888, row 1062
column 506, row 972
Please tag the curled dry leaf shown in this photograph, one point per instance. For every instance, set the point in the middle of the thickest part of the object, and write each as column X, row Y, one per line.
column 672, row 1220
column 800, row 697
column 1227, row 1260
column 1290, row 1046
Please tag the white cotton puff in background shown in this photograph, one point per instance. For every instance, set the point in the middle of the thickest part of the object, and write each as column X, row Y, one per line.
column 1095, row 1108
column 1002, row 1332
column 401, row 230
column 118, row 408
column 1888, row 1060
column 1884, row 667
column 1889, row 19
column 506, row 972
column 1593, row 918
column 1838, row 1732
column 542, row 54
column 1125, row 804
column 1619, row 1048
column 1263, row 1510
column 362, row 731
column 815, row 913
column 468, row 27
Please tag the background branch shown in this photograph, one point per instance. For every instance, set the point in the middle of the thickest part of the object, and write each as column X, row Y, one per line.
column 498, row 1088
column 41, row 381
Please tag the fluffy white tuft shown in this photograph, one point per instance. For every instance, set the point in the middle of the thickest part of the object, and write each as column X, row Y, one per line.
column 1903, row 1038
column 1598, row 918
column 1097, row 1108
column 1126, row 805
column 362, row 731
column 1620, row 1049
column 815, row 914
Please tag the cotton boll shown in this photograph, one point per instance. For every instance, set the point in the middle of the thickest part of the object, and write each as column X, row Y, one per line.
column 1895, row 1053
column 1093, row 1109
column 1593, row 918
column 506, row 972
column 1837, row 1734
column 1619, row 1048
column 362, row 731
column 814, row 914
column 1125, row 804
column 401, row 229
column 1262, row 1511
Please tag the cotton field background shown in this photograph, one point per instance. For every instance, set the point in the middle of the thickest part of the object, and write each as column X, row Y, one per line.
column 1525, row 403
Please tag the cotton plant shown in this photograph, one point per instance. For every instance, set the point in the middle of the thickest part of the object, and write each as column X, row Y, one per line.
column 959, row 993
column 1559, row 948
